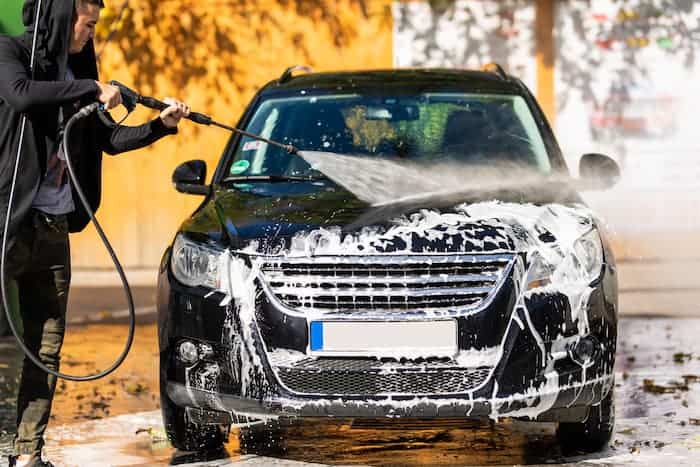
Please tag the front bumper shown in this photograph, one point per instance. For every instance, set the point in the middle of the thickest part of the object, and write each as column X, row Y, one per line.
column 570, row 404
column 536, row 377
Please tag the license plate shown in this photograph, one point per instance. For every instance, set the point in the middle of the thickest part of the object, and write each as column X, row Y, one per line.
column 398, row 339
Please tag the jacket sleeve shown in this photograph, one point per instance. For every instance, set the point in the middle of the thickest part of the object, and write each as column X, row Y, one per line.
column 115, row 140
column 24, row 94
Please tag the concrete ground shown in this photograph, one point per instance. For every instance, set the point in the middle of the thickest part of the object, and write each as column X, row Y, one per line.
column 658, row 414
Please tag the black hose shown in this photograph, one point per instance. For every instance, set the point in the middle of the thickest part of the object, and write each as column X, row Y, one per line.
column 82, row 113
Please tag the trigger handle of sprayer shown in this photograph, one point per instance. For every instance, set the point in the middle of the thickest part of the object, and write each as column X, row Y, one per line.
column 153, row 103
column 129, row 97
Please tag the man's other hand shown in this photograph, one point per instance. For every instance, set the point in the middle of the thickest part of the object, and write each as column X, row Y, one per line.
column 175, row 112
column 109, row 95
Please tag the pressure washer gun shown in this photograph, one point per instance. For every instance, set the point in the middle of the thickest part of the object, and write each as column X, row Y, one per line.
column 131, row 98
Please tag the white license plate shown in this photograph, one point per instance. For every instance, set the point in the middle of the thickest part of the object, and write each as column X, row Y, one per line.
column 398, row 339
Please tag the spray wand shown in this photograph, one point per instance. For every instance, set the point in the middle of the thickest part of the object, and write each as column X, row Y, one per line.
column 131, row 98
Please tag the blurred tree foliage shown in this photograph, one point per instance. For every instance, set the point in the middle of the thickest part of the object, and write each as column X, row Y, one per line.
column 11, row 17
column 670, row 25
column 218, row 43
column 634, row 26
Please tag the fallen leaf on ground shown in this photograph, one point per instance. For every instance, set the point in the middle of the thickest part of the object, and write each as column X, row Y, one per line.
column 681, row 357
column 651, row 387
column 135, row 388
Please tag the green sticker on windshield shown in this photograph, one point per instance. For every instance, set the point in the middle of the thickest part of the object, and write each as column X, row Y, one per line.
column 239, row 167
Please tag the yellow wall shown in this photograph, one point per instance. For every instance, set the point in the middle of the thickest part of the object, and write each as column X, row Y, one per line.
column 213, row 54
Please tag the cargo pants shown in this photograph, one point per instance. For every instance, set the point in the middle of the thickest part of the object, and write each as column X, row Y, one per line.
column 39, row 263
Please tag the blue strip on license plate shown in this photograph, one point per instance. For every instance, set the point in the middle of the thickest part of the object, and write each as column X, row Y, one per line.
column 316, row 335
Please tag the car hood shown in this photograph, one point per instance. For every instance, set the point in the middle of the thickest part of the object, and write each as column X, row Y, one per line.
column 328, row 220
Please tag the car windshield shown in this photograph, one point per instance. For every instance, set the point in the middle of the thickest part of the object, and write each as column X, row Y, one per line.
column 479, row 129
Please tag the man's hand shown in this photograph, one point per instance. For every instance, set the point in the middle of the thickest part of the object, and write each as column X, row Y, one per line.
column 174, row 113
column 109, row 95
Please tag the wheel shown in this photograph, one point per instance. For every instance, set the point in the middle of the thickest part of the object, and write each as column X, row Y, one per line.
column 592, row 434
column 187, row 436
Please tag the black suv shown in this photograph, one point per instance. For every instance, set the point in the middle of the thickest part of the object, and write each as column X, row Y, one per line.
column 300, row 287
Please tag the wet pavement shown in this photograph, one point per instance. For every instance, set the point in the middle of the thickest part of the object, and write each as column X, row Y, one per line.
column 658, row 420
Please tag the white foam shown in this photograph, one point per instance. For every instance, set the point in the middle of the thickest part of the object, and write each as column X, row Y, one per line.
column 522, row 224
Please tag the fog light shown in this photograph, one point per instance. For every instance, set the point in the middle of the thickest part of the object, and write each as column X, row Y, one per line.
column 188, row 352
column 206, row 351
column 585, row 350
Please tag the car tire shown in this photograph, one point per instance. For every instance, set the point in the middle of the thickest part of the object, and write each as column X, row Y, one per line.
column 592, row 434
column 188, row 436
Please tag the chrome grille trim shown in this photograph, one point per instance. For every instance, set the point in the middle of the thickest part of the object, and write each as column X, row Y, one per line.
column 379, row 291
column 384, row 283
column 312, row 280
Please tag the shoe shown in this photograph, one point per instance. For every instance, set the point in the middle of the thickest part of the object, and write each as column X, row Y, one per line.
column 34, row 461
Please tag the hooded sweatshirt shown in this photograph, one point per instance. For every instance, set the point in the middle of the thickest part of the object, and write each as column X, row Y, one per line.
column 40, row 94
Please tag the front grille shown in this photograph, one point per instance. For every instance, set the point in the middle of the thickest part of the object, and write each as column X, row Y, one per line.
column 368, row 377
column 385, row 283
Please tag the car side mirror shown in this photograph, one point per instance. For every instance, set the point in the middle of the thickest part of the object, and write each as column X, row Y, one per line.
column 189, row 177
column 598, row 171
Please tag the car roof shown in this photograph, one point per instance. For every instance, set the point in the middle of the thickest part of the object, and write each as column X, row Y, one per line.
column 413, row 78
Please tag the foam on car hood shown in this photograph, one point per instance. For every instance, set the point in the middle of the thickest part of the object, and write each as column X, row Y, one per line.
column 549, row 231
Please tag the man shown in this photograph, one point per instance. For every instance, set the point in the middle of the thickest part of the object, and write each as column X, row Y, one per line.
column 45, row 206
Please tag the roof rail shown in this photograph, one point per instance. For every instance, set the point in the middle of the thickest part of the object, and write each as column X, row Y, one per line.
column 289, row 72
column 495, row 68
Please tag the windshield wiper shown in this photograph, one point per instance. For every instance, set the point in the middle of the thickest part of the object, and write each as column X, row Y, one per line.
column 271, row 179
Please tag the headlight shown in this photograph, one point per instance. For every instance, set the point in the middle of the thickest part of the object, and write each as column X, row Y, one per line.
column 540, row 272
column 589, row 252
column 582, row 264
column 194, row 264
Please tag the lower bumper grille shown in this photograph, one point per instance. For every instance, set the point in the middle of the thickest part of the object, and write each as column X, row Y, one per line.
column 365, row 377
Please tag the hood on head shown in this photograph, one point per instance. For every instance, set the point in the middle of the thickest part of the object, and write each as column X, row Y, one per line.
column 53, row 40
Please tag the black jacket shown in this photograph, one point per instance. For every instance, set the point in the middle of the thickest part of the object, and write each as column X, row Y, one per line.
column 40, row 97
